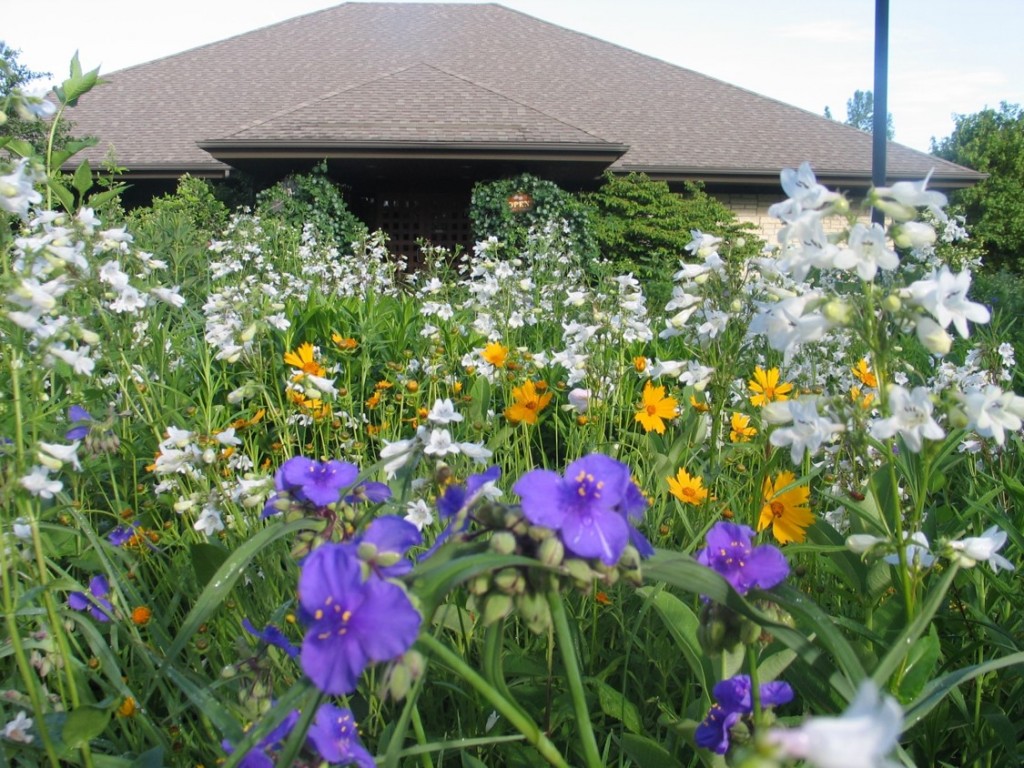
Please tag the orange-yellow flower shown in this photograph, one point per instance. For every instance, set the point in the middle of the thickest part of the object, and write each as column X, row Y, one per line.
column 786, row 511
column 698, row 406
column 346, row 343
column 495, row 354
column 141, row 615
column 741, row 431
column 128, row 707
column 639, row 363
column 863, row 372
column 766, row 387
column 863, row 399
column 528, row 403
column 656, row 407
column 689, row 490
column 302, row 358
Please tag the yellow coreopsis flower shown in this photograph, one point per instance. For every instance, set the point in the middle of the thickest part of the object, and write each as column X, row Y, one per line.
column 786, row 511
column 689, row 490
column 741, row 431
column 302, row 358
column 527, row 405
column 346, row 343
column 862, row 370
column 656, row 407
column 496, row 354
column 766, row 387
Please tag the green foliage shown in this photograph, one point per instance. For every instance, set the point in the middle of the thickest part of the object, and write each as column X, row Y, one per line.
column 492, row 216
column 179, row 228
column 21, row 124
column 860, row 113
column 313, row 199
column 642, row 227
column 992, row 141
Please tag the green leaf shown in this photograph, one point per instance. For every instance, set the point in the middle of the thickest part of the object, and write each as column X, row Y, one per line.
column 937, row 689
column 224, row 579
column 920, row 665
column 63, row 194
column 206, row 560
column 902, row 644
column 468, row 761
column 84, row 724
column 17, row 146
column 682, row 624
column 647, row 753
column 82, row 180
column 615, row 705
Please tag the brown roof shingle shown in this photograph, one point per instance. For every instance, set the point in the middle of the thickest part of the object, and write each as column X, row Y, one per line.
column 461, row 73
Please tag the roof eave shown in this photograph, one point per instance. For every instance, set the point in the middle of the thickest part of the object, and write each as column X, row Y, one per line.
column 769, row 177
column 588, row 152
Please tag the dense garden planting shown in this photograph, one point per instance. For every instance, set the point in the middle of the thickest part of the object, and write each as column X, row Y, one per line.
column 269, row 499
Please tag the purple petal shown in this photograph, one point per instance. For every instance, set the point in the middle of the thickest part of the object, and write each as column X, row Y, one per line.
column 596, row 533
column 98, row 586
column 733, row 695
column 76, row 433
column 369, row 491
column 293, row 473
column 78, row 601
column 541, row 493
column 391, row 533
column 77, row 413
column 713, row 732
column 776, row 693
column 386, row 605
column 333, row 662
column 336, row 738
column 765, row 567
column 272, row 636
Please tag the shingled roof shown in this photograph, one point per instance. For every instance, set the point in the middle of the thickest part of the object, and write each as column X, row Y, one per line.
column 461, row 78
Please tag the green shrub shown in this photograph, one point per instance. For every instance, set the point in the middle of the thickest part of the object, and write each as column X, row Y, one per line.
column 178, row 228
column 313, row 199
column 492, row 216
column 642, row 226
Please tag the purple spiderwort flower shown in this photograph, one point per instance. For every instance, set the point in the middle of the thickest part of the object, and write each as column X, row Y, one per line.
column 319, row 483
column 352, row 622
column 336, row 738
column 80, row 420
column 733, row 700
column 369, row 491
column 122, row 534
column 258, row 756
column 271, row 635
column 731, row 553
column 389, row 537
column 454, row 504
column 95, row 602
column 585, row 507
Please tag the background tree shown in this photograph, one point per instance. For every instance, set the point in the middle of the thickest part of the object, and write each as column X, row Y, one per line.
column 15, row 75
column 992, row 141
column 860, row 113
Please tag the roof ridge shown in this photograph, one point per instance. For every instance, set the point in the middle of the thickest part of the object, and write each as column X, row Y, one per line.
column 316, row 99
column 538, row 110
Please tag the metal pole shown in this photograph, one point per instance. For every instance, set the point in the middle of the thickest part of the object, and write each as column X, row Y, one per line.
column 880, row 124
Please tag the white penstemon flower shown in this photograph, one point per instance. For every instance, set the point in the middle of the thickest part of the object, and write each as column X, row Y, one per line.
column 911, row 418
column 992, row 412
column 862, row 737
column 972, row 550
column 809, row 430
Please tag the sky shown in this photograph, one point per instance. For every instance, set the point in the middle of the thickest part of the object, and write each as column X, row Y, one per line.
column 946, row 57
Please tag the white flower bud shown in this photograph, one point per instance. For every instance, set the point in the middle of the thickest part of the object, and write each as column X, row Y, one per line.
column 933, row 337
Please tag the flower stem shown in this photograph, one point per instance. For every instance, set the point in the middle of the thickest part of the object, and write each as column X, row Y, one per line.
column 592, row 757
column 505, row 708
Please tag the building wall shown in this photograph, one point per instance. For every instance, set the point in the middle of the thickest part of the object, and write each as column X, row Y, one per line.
column 753, row 208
